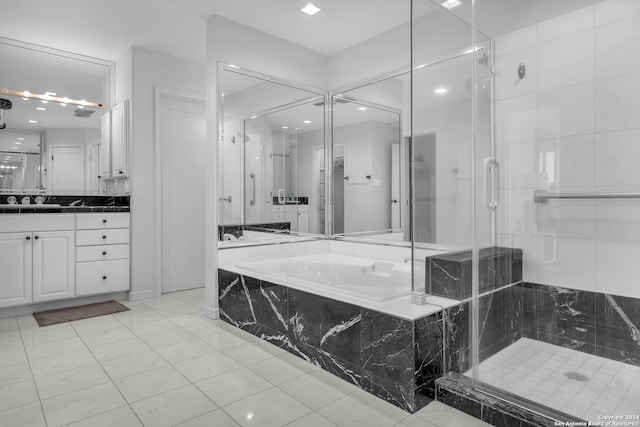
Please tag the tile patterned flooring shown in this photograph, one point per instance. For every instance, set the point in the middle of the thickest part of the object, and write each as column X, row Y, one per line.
column 164, row 364
column 536, row 370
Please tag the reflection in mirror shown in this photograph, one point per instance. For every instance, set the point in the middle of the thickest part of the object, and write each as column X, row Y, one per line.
column 369, row 157
column 57, row 99
column 271, row 160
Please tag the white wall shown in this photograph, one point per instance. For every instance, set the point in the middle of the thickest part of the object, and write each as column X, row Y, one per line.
column 578, row 107
column 148, row 70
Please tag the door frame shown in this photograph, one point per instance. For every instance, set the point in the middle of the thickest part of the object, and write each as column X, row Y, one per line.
column 160, row 94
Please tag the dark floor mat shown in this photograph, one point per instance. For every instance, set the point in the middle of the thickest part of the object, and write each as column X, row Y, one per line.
column 52, row 317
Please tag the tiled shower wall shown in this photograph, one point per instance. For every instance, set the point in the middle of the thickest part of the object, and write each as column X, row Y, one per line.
column 572, row 125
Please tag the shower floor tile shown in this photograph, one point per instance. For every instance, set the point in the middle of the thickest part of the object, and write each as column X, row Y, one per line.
column 576, row 383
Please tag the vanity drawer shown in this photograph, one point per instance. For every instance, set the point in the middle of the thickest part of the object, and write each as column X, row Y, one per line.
column 102, row 237
column 278, row 208
column 102, row 276
column 101, row 221
column 102, row 253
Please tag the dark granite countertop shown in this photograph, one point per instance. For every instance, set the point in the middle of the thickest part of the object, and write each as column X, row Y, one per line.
column 30, row 209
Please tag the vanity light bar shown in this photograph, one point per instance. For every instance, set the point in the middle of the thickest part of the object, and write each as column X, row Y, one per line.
column 44, row 97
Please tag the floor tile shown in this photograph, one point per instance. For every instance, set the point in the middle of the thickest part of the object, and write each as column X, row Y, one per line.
column 131, row 319
column 173, row 407
column 150, row 383
column 119, row 349
column 17, row 394
column 162, row 302
column 217, row 418
column 362, row 409
column 8, row 324
column 223, row 340
column 441, row 415
column 81, row 404
column 121, row 417
column 247, row 353
column 163, row 339
column 313, row 391
column 276, row 370
column 312, row 420
column 23, row 416
column 232, row 386
column 133, row 364
column 202, row 329
column 55, row 348
column 61, row 362
column 271, row 407
column 11, row 357
column 179, row 310
column 15, row 373
column 206, row 366
column 185, row 350
column 96, row 324
column 10, row 341
column 35, row 336
column 71, row 380
column 147, row 328
column 107, row 337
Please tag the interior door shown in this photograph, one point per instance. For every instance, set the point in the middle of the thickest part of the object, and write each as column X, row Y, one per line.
column 182, row 128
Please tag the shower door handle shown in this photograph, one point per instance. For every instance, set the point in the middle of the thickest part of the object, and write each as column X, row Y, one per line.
column 253, row 178
column 491, row 175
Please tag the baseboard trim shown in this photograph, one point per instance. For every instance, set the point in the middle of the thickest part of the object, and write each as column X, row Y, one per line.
column 211, row 312
column 138, row 295
column 24, row 310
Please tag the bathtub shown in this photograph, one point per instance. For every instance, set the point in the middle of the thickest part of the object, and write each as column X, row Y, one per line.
column 366, row 278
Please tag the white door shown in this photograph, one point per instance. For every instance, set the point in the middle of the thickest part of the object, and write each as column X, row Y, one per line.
column 53, row 265
column 395, row 186
column 66, row 169
column 15, row 264
column 182, row 137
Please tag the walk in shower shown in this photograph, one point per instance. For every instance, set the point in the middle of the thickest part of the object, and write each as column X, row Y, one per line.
column 543, row 158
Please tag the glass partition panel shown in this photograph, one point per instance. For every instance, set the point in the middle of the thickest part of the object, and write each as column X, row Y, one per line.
column 271, row 159
column 556, row 329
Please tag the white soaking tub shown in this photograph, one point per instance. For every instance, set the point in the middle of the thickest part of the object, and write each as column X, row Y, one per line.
column 366, row 278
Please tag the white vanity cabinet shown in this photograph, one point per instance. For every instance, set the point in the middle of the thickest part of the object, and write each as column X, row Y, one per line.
column 297, row 215
column 102, row 253
column 37, row 258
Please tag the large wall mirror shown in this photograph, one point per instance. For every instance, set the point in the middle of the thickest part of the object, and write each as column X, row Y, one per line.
column 370, row 160
column 271, row 156
column 53, row 102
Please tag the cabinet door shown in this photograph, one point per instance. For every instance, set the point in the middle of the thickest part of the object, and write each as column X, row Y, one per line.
column 119, row 139
column 303, row 221
column 104, row 170
column 15, row 264
column 53, row 265
column 291, row 215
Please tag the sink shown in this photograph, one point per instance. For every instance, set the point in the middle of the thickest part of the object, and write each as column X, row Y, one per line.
column 16, row 206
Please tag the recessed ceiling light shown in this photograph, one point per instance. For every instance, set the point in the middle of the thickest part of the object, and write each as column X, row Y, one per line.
column 44, row 101
column 285, row 127
column 450, row 4
column 18, row 143
column 50, row 94
column 27, row 93
column 362, row 108
column 15, row 148
column 26, row 99
column 33, row 121
column 307, row 121
column 441, row 90
column 80, row 107
column 310, row 9
column 20, row 139
column 233, row 66
column 65, row 99
column 62, row 104
column 41, row 108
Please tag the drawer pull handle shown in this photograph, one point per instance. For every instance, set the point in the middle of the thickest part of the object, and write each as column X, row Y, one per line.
column 104, row 237
column 37, row 237
column 104, row 277
column 104, row 252
column 28, row 237
column 104, row 221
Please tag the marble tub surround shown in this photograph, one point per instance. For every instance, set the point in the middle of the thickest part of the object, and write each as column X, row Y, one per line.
column 449, row 275
column 393, row 358
column 236, row 230
column 594, row 323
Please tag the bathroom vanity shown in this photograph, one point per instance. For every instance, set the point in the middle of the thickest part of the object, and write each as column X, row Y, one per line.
column 62, row 252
